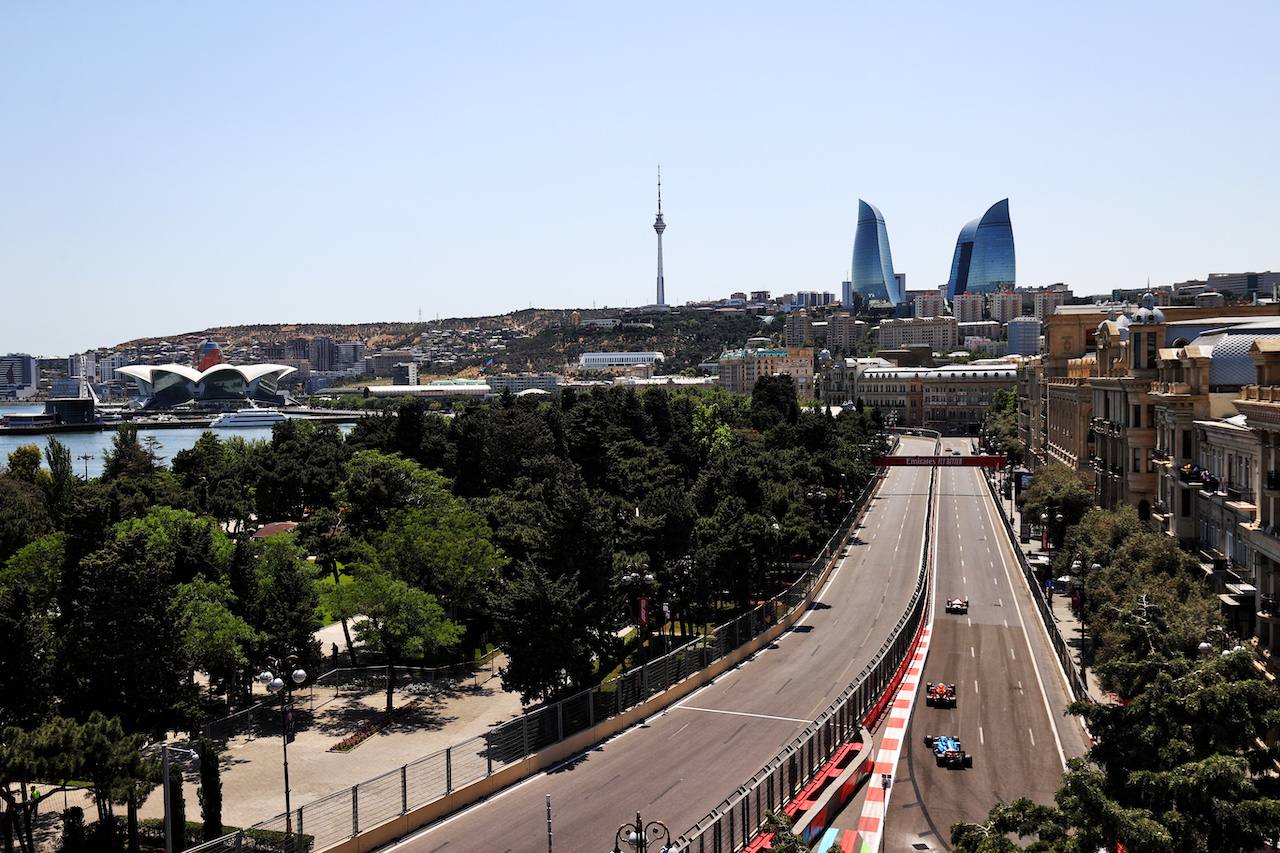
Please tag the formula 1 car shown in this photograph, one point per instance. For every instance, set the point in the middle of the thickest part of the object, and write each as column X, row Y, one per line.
column 940, row 695
column 957, row 605
column 947, row 751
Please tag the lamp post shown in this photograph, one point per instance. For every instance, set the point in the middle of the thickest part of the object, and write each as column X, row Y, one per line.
column 1045, row 518
column 165, row 749
column 275, row 684
column 638, row 578
column 639, row 835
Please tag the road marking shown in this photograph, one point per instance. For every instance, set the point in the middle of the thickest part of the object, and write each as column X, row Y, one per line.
column 1044, row 695
column 1033, row 737
column 981, row 737
column 972, row 653
column 975, row 688
column 1019, row 685
column 1006, row 623
column 744, row 714
column 1012, row 655
column 682, row 728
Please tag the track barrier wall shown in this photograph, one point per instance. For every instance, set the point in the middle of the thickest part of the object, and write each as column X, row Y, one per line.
column 380, row 810
column 731, row 826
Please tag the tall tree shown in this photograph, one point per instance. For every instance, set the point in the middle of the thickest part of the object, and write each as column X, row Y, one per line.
column 401, row 622
column 538, row 621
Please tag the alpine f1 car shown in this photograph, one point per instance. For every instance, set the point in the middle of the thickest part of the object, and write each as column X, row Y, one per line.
column 957, row 605
column 940, row 695
column 947, row 751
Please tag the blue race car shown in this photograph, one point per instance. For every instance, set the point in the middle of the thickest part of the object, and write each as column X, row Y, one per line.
column 947, row 751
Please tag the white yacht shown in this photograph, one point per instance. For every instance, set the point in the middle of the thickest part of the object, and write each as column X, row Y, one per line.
column 249, row 418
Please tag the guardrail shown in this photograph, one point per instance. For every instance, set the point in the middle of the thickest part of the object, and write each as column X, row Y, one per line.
column 739, row 818
column 1074, row 680
column 349, row 812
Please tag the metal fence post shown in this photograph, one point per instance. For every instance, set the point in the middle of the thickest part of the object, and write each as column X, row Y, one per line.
column 404, row 788
column 559, row 721
column 448, row 770
column 355, row 810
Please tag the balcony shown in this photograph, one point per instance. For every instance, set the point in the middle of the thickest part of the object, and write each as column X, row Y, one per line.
column 1238, row 492
column 1268, row 606
column 1191, row 477
column 1272, row 481
column 1261, row 393
column 1159, row 454
column 1171, row 388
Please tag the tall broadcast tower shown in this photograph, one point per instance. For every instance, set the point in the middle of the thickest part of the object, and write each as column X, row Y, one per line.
column 660, row 226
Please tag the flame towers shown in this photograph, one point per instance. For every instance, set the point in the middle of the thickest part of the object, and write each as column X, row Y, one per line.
column 984, row 258
column 873, row 277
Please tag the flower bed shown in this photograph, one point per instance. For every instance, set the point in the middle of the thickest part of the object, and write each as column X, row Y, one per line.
column 368, row 730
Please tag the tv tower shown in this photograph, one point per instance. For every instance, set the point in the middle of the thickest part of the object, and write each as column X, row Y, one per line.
column 660, row 226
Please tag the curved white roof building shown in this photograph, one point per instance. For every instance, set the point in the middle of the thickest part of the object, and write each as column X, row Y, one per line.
column 163, row 386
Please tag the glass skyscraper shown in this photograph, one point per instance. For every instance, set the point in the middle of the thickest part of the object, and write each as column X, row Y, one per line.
column 873, row 276
column 984, row 259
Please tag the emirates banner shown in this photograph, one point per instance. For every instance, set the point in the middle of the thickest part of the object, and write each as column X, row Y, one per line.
column 941, row 461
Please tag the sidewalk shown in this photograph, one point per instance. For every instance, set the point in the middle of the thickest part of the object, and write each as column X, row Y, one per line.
column 253, row 766
column 1069, row 625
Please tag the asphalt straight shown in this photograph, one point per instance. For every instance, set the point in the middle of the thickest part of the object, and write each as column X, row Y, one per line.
column 1010, row 689
column 679, row 765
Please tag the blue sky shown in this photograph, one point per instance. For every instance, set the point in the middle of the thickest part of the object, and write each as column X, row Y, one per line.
column 165, row 167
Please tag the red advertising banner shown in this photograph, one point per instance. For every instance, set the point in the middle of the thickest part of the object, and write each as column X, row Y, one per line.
column 942, row 461
column 644, row 611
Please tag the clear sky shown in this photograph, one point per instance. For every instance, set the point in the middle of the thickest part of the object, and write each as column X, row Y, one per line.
column 165, row 167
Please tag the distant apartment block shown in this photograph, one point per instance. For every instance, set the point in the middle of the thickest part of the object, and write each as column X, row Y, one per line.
column 1244, row 283
column 930, row 305
column 404, row 373
column 940, row 333
column 844, row 331
column 109, row 364
column 1046, row 303
column 967, row 307
column 1005, row 306
column 517, row 382
column 351, row 352
column 18, row 376
column 985, row 329
column 798, row 328
column 380, row 364
column 739, row 369
column 1024, row 336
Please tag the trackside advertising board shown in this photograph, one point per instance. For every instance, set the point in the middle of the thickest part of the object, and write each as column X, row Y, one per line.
column 942, row 461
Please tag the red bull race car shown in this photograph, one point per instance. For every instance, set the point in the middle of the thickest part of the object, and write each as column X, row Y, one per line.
column 957, row 605
column 940, row 695
column 947, row 751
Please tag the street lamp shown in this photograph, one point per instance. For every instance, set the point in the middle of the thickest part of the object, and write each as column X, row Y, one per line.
column 275, row 684
column 1045, row 518
column 639, row 835
column 165, row 749
column 639, row 578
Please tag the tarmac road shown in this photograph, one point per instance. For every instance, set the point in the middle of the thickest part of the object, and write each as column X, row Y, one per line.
column 1009, row 687
column 679, row 765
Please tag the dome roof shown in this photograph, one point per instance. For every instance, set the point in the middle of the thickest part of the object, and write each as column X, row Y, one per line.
column 1148, row 313
column 1229, row 363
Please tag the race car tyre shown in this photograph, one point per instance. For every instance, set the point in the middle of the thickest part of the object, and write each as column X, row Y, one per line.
column 942, row 762
column 968, row 760
column 928, row 741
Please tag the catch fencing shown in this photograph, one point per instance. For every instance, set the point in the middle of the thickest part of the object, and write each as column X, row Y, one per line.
column 346, row 813
column 732, row 825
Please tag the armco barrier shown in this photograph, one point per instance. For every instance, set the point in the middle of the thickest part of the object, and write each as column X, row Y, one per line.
column 387, row 807
column 732, row 825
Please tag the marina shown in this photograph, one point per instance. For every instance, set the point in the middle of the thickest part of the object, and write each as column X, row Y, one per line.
column 89, row 443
